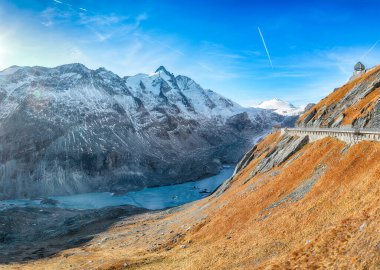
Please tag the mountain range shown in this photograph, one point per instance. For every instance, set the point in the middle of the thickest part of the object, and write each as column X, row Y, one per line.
column 70, row 129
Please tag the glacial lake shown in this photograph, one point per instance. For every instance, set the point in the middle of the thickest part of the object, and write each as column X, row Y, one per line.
column 153, row 198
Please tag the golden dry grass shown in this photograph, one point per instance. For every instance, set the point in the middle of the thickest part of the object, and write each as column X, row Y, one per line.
column 334, row 226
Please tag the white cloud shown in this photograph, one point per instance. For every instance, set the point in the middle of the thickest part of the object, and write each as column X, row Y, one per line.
column 100, row 20
column 141, row 17
column 51, row 16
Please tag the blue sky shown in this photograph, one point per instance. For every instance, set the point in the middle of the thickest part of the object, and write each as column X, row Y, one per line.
column 313, row 44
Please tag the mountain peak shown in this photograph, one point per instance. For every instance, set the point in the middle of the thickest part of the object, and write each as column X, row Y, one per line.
column 163, row 69
column 274, row 100
column 280, row 106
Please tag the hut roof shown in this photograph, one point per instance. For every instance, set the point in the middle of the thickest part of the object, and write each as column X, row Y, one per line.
column 359, row 66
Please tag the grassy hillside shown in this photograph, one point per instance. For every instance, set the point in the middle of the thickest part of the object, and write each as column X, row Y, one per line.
column 320, row 208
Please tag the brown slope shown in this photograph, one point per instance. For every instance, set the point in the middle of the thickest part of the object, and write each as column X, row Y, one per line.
column 273, row 220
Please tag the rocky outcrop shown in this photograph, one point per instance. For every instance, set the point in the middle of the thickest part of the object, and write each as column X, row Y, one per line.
column 247, row 158
column 375, row 117
column 287, row 147
column 353, row 105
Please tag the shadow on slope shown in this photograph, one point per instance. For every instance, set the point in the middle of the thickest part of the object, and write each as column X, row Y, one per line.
column 30, row 233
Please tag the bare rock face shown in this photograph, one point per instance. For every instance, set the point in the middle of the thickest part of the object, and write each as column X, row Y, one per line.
column 375, row 119
column 247, row 158
column 70, row 129
column 284, row 149
column 355, row 104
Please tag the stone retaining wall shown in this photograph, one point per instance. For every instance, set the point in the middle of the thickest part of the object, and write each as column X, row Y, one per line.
column 350, row 136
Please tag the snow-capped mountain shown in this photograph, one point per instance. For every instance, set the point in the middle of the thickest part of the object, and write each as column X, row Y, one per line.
column 71, row 129
column 281, row 107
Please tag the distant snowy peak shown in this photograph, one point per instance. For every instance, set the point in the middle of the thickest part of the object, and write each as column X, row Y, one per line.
column 281, row 107
column 181, row 91
column 276, row 104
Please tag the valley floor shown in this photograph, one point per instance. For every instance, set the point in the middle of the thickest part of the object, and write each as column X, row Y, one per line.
column 319, row 209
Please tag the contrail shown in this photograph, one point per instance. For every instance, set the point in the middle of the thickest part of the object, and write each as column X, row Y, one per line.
column 265, row 46
column 370, row 50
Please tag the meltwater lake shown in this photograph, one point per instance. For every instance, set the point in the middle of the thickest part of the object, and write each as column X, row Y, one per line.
column 153, row 198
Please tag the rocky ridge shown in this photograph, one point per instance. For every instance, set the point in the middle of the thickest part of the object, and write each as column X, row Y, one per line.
column 355, row 104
